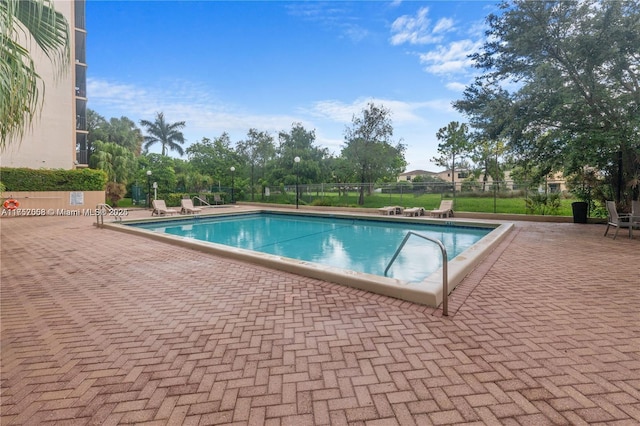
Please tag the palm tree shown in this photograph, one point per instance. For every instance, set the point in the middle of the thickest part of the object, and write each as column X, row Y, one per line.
column 20, row 84
column 117, row 161
column 169, row 135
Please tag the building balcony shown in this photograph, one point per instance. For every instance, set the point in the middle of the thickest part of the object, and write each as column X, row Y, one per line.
column 80, row 14
column 81, row 123
column 82, row 157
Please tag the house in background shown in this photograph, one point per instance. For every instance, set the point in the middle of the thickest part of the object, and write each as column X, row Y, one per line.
column 445, row 176
column 57, row 139
column 554, row 182
column 460, row 175
column 410, row 176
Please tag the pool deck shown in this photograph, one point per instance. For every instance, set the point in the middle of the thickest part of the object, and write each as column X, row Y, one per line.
column 428, row 292
column 103, row 327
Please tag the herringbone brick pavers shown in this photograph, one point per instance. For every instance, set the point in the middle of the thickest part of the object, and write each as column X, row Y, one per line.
column 100, row 327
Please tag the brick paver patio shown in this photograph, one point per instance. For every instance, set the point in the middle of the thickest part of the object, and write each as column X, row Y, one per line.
column 101, row 327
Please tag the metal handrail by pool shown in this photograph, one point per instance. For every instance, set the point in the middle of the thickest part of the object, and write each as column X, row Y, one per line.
column 102, row 209
column 445, row 281
column 202, row 202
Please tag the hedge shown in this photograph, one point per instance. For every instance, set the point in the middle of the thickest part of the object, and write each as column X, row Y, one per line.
column 23, row 179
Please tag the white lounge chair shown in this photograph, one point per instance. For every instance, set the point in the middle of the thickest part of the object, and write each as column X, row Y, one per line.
column 445, row 209
column 617, row 220
column 414, row 211
column 391, row 210
column 635, row 214
column 188, row 207
column 160, row 208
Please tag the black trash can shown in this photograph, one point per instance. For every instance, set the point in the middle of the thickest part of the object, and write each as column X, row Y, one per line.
column 580, row 211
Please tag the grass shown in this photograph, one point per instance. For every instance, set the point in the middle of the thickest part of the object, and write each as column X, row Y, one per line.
column 124, row 202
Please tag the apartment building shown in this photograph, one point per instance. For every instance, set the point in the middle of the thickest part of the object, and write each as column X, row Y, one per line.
column 58, row 137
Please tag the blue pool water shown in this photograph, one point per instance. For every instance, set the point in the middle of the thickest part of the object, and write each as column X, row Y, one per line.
column 352, row 244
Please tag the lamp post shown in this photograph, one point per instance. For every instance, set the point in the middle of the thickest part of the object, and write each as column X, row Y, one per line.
column 148, row 188
column 233, row 169
column 297, row 161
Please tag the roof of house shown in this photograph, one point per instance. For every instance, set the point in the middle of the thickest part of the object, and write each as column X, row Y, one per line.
column 417, row 172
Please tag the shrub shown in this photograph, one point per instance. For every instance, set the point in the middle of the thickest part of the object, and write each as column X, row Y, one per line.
column 540, row 203
column 22, row 179
column 172, row 199
column 115, row 192
column 326, row 202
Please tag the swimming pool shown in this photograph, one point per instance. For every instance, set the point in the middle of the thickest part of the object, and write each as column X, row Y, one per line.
column 348, row 243
column 408, row 286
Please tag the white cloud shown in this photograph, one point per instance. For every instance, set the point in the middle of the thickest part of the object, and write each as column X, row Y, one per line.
column 417, row 29
column 443, row 25
column 456, row 86
column 401, row 112
column 335, row 110
column 355, row 33
column 204, row 115
column 336, row 17
column 114, row 94
column 452, row 58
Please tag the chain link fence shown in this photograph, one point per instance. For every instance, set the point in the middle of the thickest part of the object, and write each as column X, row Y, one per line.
column 496, row 197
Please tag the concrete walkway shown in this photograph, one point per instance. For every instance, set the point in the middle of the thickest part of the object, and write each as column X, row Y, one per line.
column 101, row 327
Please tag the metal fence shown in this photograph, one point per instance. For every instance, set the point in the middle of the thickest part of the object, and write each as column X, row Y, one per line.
column 474, row 188
column 535, row 199
column 550, row 198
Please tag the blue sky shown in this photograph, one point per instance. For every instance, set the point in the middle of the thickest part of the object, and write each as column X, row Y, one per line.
column 228, row 66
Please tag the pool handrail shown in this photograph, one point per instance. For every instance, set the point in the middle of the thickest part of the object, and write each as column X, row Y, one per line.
column 201, row 201
column 445, row 281
column 102, row 209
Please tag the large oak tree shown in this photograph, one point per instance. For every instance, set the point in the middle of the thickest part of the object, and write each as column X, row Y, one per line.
column 561, row 83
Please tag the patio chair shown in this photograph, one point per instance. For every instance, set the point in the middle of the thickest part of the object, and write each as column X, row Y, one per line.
column 445, row 209
column 217, row 200
column 391, row 210
column 160, row 208
column 617, row 220
column 414, row 211
column 387, row 210
column 635, row 214
column 186, row 206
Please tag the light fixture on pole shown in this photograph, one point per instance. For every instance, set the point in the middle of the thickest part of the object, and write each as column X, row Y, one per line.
column 148, row 188
column 297, row 161
column 233, row 169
